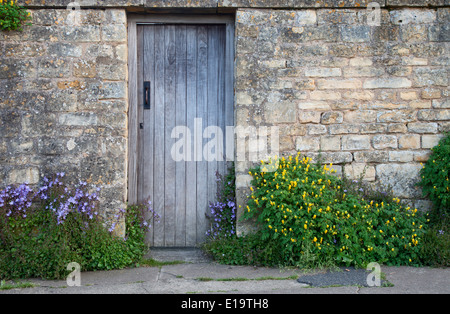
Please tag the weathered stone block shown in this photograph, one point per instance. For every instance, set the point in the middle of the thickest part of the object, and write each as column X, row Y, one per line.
column 243, row 180
column 401, row 156
column 368, row 128
column 304, row 84
column 355, row 33
column 384, row 141
column 408, row 95
column 323, row 72
column 324, row 95
column 332, row 117
column 402, row 178
column 344, row 128
column 59, row 49
column 316, row 129
column 392, row 82
column 116, row 16
column 81, row 33
column 358, row 95
column 360, row 171
column 418, row 127
column 285, row 112
column 422, row 156
column 99, row 51
column 33, row 125
column 28, row 175
column 412, row 16
column 360, row 116
column 243, row 99
column 414, row 33
column 430, row 77
column 355, row 142
column 441, row 103
column 54, row 68
column 420, row 104
column 429, row 141
column 314, row 105
column 361, row 62
column 409, row 141
column 330, row 16
column 309, row 116
column 307, row 143
column 338, row 84
column 78, row 119
column 84, row 68
column 328, row 143
column 307, row 33
column 433, row 115
column 413, row 3
column 371, row 156
column 110, row 90
column 331, row 157
column 396, row 116
column 396, row 70
column 431, row 93
column 50, row 146
column 363, row 71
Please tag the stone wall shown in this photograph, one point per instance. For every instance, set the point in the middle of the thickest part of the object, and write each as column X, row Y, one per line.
column 369, row 97
column 63, row 100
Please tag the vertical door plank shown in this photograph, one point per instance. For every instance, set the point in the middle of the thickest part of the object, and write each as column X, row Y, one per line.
column 191, row 114
column 169, row 115
column 229, row 89
column 159, row 136
column 132, row 114
column 147, row 133
column 211, row 151
column 180, row 120
column 140, row 37
column 221, row 96
column 202, row 113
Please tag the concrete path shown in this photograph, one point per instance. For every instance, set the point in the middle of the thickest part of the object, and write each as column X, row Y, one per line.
column 200, row 276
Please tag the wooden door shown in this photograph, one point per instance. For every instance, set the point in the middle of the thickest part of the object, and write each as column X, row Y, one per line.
column 182, row 75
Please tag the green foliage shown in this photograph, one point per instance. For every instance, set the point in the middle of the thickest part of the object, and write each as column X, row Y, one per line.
column 223, row 212
column 435, row 178
column 436, row 245
column 12, row 16
column 42, row 232
column 310, row 219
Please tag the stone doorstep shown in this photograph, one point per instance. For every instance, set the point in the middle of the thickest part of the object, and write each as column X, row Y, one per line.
column 184, row 254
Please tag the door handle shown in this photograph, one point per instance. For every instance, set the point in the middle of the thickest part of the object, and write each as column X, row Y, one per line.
column 146, row 95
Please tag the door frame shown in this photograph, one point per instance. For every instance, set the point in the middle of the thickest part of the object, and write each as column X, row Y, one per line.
column 133, row 88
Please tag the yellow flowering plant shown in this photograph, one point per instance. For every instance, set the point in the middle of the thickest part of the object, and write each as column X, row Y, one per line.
column 13, row 16
column 306, row 211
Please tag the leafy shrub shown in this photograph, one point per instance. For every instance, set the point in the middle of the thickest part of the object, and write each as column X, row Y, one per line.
column 435, row 185
column 436, row 245
column 309, row 220
column 435, row 178
column 42, row 231
column 12, row 16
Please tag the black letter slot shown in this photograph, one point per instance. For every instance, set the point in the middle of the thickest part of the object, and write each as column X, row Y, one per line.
column 146, row 95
